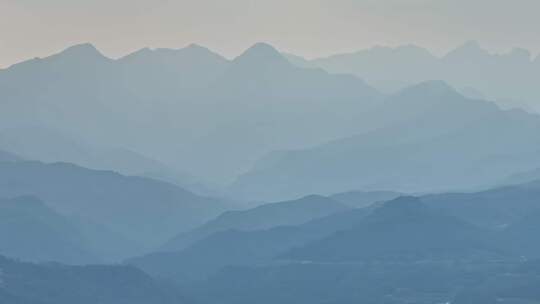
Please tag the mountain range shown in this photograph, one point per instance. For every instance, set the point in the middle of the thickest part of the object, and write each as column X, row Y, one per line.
column 183, row 105
column 487, row 225
column 411, row 144
column 266, row 216
column 401, row 229
column 119, row 215
column 262, row 113
column 181, row 176
column 401, row 251
column 509, row 78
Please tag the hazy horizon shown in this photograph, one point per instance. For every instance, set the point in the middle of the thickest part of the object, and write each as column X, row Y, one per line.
column 326, row 27
column 440, row 54
column 269, row 151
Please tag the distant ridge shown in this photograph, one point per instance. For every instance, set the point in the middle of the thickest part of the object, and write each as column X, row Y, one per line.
column 401, row 229
column 263, row 217
column 411, row 143
column 504, row 77
column 166, row 92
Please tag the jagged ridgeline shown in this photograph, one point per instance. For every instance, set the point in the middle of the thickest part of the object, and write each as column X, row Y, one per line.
column 388, row 175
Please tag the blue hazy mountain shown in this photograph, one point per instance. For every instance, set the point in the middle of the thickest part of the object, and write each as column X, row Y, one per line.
column 522, row 177
column 140, row 210
column 204, row 253
column 190, row 68
column 26, row 283
column 508, row 78
column 402, row 251
column 35, row 142
column 183, row 105
column 118, row 143
column 262, row 99
column 31, row 231
column 426, row 138
column 495, row 208
column 211, row 253
column 402, row 229
column 360, row 199
column 263, row 217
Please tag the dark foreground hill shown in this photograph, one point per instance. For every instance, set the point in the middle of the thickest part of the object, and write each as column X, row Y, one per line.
column 404, row 229
column 31, row 231
column 266, row 216
column 26, row 283
column 121, row 215
column 219, row 250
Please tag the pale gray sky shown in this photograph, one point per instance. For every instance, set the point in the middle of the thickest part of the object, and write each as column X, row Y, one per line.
column 30, row 28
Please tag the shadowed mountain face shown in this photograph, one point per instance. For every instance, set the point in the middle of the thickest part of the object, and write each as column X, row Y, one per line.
column 31, row 231
column 259, row 218
column 423, row 139
column 25, row 283
column 509, row 78
column 259, row 128
column 8, row 157
column 209, row 254
column 183, row 105
column 439, row 227
column 139, row 210
column 494, row 208
column 401, row 251
column 402, row 229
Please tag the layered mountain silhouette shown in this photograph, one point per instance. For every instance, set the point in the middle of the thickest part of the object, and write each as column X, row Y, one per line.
column 140, row 211
column 207, row 255
column 400, row 251
column 402, row 229
column 486, row 219
column 425, row 195
column 34, row 142
column 494, row 209
column 425, row 138
column 183, row 105
column 360, row 199
column 263, row 217
column 33, row 232
column 508, row 78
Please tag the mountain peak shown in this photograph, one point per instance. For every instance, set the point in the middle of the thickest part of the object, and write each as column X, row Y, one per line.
column 471, row 45
column 261, row 52
column 195, row 46
column 82, row 50
column 469, row 49
column 404, row 206
column 521, row 53
column 430, row 88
